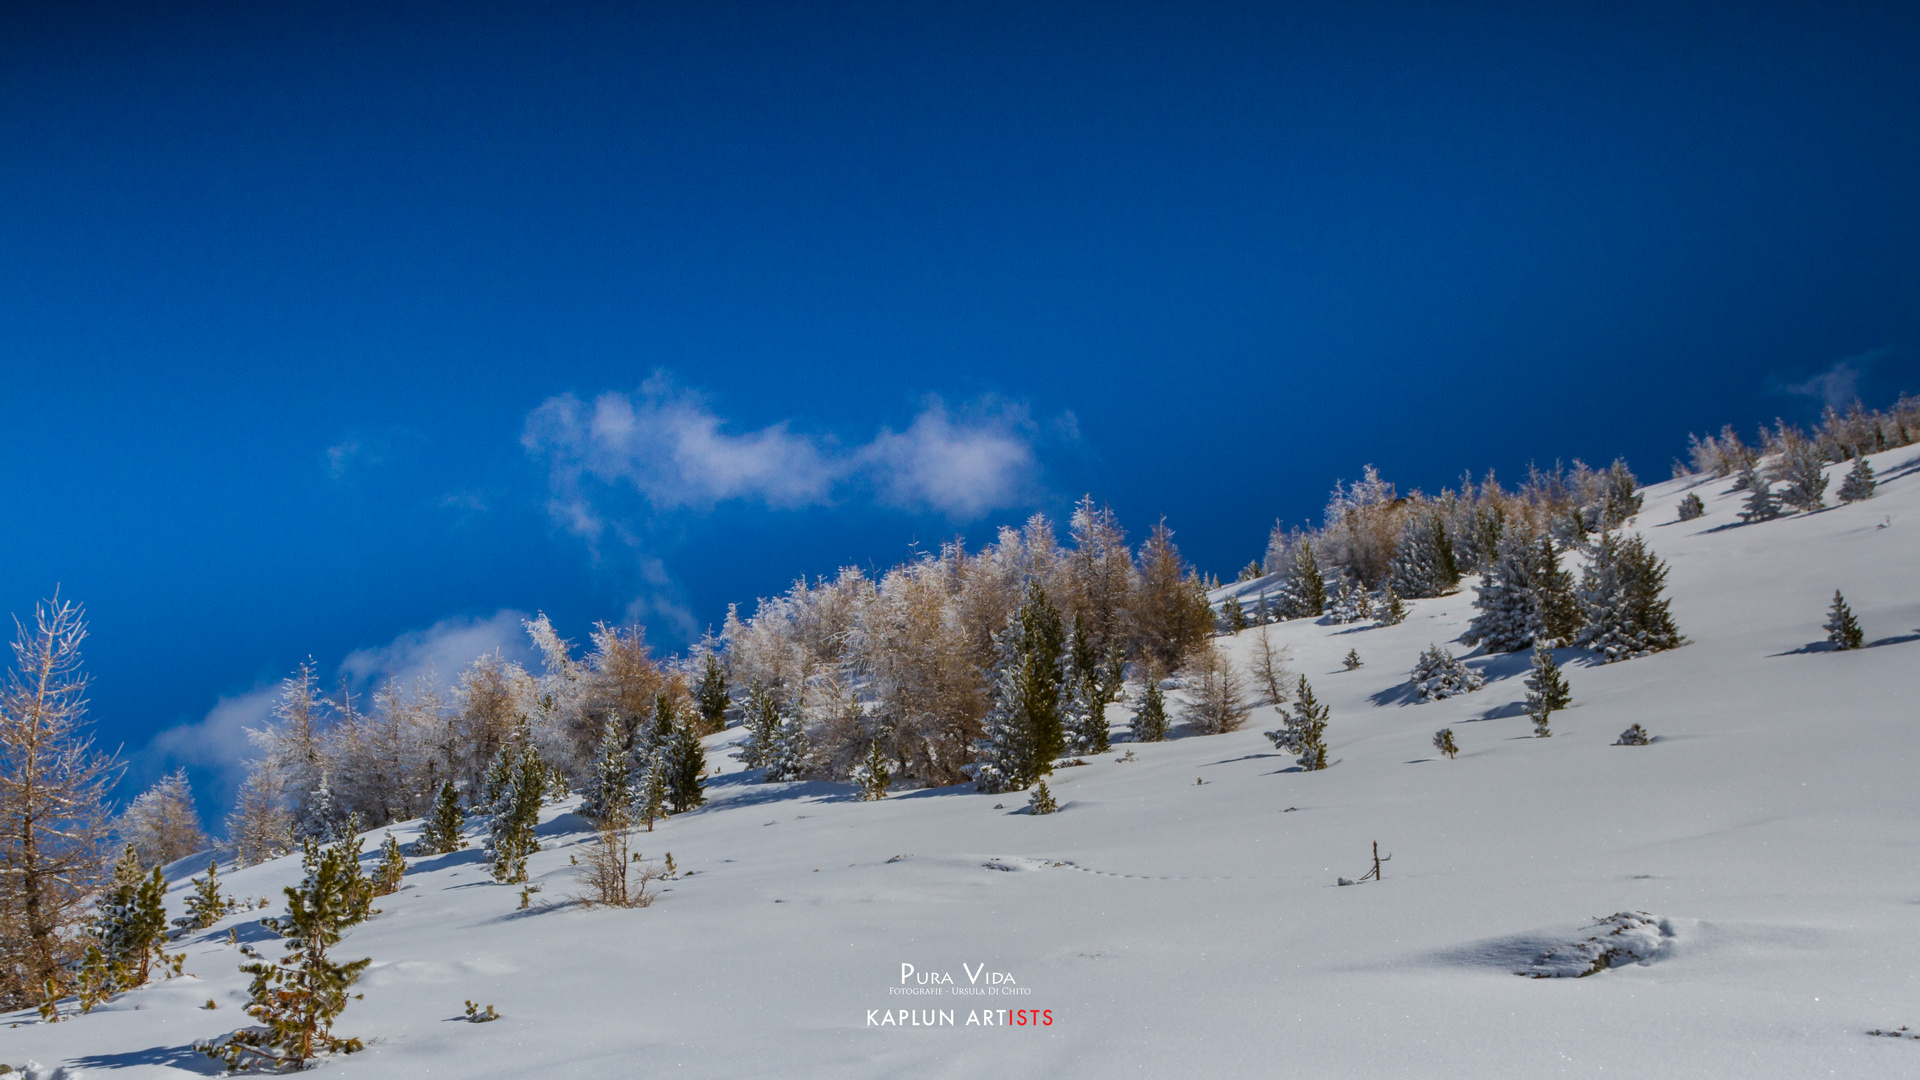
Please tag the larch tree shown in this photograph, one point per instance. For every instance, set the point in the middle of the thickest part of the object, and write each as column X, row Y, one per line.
column 1170, row 610
column 161, row 823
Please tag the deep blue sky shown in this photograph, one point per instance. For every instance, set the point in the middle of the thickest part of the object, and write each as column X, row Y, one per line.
column 281, row 288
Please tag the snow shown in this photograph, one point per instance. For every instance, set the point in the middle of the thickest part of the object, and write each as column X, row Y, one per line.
column 1175, row 928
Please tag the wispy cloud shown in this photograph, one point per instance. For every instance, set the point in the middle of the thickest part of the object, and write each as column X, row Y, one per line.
column 668, row 445
column 440, row 651
column 1839, row 385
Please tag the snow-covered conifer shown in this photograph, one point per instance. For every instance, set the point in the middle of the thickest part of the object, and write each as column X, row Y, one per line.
column 872, row 774
column 609, row 791
column 1437, row 674
column 1304, row 592
column 1859, row 482
column 763, row 729
column 1761, row 503
column 1546, row 690
column 1388, row 609
column 323, row 818
column 1233, row 617
column 1691, row 507
column 1805, row 476
column 1843, row 630
column 1350, row 602
column 686, row 761
column 205, row 905
column 1305, row 730
column 1634, row 736
column 128, row 933
column 1620, row 498
column 1023, row 732
column 792, row 754
column 1424, row 564
column 650, row 800
column 391, row 868
column 1352, row 660
column 1216, row 691
column 1508, row 618
column 1041, row 801
column 1443, row 742
column 1085, row 694
column 442, row 834
column 519, row 779
column 711, row 695
column 1620, row 598
column 1150, row 719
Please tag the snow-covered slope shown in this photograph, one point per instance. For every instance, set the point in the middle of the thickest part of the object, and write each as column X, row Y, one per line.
column 1180, row 916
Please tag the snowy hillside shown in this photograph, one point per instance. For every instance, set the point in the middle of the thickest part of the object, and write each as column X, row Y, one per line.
column 1180, row 917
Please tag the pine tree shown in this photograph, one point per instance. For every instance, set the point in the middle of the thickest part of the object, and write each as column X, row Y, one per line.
column 1438, row 675
column 1546, row 690
column 1305, row 590
column 1443, row 742
column 520, row 784
column 1509, row 617
column 711, row 695
column 205, row 905
column 1041, row 800
column 1390, row 611
column 391, row 869
column 1023, row 732
column 1305, row 730
column 1761, row 503
column 609, row 793
column 1150, row 720
column 686, row 761
column 128, row 934
column 1352, row 660
column 324, row 819
column 1620, row 498
column 1805, row 476
column 1859, row 483
column 650, row 805
column 1843, row 630
column 1634, row 736
column 1691, row 507
column 1350, row 602
column 1085, row 694
column 1556, row 606
column 1233, row 615
column 763, row 729
column 791, row 757
column 872, row 775
column 298, row 998
column 1424, row 564
column 1620, row 598
column 442, row 834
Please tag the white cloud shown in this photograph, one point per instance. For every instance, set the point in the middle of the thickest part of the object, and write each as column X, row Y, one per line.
column 667, row 445
column 442, row 650
column 215, row 746
column 1839, row 385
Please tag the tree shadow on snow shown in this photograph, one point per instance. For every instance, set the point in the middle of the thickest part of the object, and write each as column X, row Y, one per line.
column 465, row 855
column 1827, row 646
column 1901, row 640
column 184, row 1058
column 1502, row 712
column 794, row 791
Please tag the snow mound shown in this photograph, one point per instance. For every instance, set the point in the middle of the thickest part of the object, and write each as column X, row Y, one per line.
column 1628, row 937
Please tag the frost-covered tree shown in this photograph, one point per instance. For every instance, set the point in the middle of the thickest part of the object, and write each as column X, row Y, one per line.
column 161, row 823
column 1350, row 602
column 1304, row 590
column 1443, row 742
column 1843, row 630
column 1438, row 674
column 1424, row 564
column 650, row 800
column 712, row 695
column 1150, row 719
column 128, row 934
column 1216, row 691
column 260, row 826
column 54, row 825
column 1858, row 483
column 1805, row 475
column 1170, row 609
column 685, row 762
column 873, row 776
column 1024, row 732
column 1305, row 730
column 1269, row 668
column 763, row 729
column 391, row 868
column 206, row 904
column 516, row 785
column 1523, row 597
column 609, row 791
column 791, row 757
column 1389, row 610
column 1620, row 498
column 323, row 818
column 1620, row 597
column 1546, row 690
column 1086, row 694
column 297, row 998
column 1691, row 507
column 1041, row 801
column 1761, row 503
column 442, row 833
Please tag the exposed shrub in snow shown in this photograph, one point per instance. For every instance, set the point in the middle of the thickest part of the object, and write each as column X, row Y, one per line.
column 1443, row 742
column 1437, row 674
column 1843, row 630
column 1859, row 483
column 1634, row 736
column 1628, row 937
column 1691, row 507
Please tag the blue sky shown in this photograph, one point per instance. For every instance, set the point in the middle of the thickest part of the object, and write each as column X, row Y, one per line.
column 354, row 333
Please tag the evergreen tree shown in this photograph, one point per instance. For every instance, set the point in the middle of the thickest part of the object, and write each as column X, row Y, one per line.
column 1691, row 507
column 1305, row 590
column 1424, row 564
column 1305, row 730
column 515, row 810
column 298, row 998
column 763, row 729
column 1041, row 801
column 1352, row 659
column 1233, row 616
column 391, row 869
column 1437, row 675
column 1150, row 719
column 872, row 774
column 651, row 803
column 1350, row 602
column 324, row 820
column 711, row 695
column 686, row 761
column 1555, row 603
column 1508, row 618
column 1620, row 597
column 1620, row 498
column 1761, row 503
column 205, row 905
column 609, row 793
column 1859, row 482
column 128, row 934
column 1546, row 690
column 1086, row 694
column 442, row 834
column 1805, row 476
column 1634, row 736
column 792, row 755
column 1443, row 742
column 1843, row 630
column 1389, row 610
column 1023, row 732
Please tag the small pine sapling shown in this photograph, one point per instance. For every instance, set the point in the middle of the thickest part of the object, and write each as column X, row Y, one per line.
column 1390, row 610
column 1233, row 616
column 1634, row 736
column 1843, row 630
column 129, row 936
column 1858, row 483
column 442, row 834
column 1438, row 675
column 1443, row 742
column 872, row 774
column 1041, row 800
column 478, row 1015
column 1691, row 507
column 1806, row 477
column 1150, row 720
column 1547, row 691
column 651, row 803
column 392, row 868
column 205, row 905
column 1305, row 730
column 1761, row 504
column 1352, row 659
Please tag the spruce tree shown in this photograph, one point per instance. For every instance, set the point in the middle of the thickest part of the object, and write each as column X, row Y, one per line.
column 610, row 787
column 1232, row 615
column 1620, row 498
column 1508, row 618
column 1305, row 590
column 391, row 869
column 1805, row 476
column 1085, row 694
column 1546, row 690
column 763, row 729
column 1437, row 675
column 515, row 811
column 1305, row 730
column 1843, row 630
column 872, row 775
column 205, row 905
column 1023, row 732
column 1761, row 503
column 1620, row 598
column 442, row 834
column 325, row 820
column 711, row 696
column 1859, row 482
column 298, row 998
column 651, row 803
column 1150, row 719
column 1691, row 507
column 792, row 755
column 1556, row 607
column 1424, row 565
column 128, row 934
column 1041, row 801
column 1443, row 742
column 686, row 760
column 1352, row 659
column 1390, row 611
